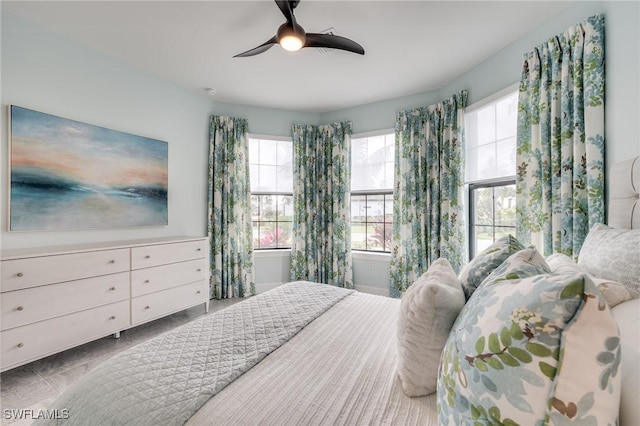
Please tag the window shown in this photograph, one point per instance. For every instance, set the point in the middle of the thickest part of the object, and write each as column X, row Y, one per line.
column 372, row 163
column 271, row 169
column 490, row 168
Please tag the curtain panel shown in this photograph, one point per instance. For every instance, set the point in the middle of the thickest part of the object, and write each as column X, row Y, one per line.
column 321, row 237
column 560, row 144
column 229, row 227
column 428, row 220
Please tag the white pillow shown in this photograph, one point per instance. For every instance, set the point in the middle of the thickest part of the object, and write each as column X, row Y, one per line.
column 627, row 315
column 614, row 293
column 612, row 254
column 428, row 310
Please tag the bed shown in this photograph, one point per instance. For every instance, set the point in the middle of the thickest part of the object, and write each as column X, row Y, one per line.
column 329, row 359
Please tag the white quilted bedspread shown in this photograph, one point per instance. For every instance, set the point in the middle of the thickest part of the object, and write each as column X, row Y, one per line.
column 165, row 380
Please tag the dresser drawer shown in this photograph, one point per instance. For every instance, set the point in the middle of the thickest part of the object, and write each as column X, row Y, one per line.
column 22, row 307
column 155, row 305
column 149, row 280
column 34, row 271
column 160, row 254
column 29, row 342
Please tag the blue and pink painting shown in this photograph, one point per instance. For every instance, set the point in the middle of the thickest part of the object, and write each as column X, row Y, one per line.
column 71, row 175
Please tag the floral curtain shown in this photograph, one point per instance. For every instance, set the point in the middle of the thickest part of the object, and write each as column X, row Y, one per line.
column 427, row 201
column 230, row 230
column 321, row 242
column 560, row 143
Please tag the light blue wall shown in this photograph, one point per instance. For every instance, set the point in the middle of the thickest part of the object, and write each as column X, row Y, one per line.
column 48, row 73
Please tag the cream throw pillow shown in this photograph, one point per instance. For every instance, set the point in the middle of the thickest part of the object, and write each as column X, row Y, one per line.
column 614, row 293
column 428, row 310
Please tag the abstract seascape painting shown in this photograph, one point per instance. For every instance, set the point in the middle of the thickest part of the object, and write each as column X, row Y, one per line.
column 70, row 175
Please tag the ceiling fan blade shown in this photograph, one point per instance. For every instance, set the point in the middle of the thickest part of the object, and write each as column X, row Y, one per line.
column 286, row 7
column 333, row 42
column 257, row 50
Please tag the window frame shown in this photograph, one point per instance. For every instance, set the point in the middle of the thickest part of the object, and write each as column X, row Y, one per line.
column 270, row 193
column 494, row 182
column 489, row 183
column 368, row 192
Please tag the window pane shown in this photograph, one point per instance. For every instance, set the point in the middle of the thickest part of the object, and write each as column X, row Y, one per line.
column 372, row 163
column 380, row 236
column 503, row 232
column 285, row 178
column 486, row 161
column 358, row 236
column 486, row 125
column 284, row 234
column 376, row 149
column 388, row 175
column 358, row 208
column 268, row 207
column 375, row 234
column 358, row 151
column 254, row 176
column 507, row 117
column 267, row 182
column 268, row 235
column 268, row 152
column 388, row 208
column 483, row 237
column 505, row 205
column 506, row 157
column 472, row 165
column 285, row 208
column 375, row 208
column 490, row 139
column 483, row 206
column 254, row 151
column 358, row 182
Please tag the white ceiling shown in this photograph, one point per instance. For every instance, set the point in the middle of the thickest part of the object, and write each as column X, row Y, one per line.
column 411, row 46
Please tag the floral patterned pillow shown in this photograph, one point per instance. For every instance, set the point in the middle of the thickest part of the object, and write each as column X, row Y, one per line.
column 523, row 264
column 484, row 263
column 543, row 349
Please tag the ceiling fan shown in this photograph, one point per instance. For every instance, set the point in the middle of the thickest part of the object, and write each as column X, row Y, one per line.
column 291, row 36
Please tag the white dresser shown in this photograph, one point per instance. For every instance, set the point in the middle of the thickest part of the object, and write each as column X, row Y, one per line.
column 55, row 298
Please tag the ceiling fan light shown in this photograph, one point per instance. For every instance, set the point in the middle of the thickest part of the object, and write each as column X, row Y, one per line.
column 291, row 43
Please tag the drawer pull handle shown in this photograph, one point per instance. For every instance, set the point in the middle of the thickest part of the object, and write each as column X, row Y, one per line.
column 198, row 292
column 112, row 289
column 112, row 261
column 112, row 317
column 198, row 270
column 147, row 307
column 20, row 274
column 199, row 249
column 146, row 281
column 147, row 257
column 20, row 344
column 19, row 308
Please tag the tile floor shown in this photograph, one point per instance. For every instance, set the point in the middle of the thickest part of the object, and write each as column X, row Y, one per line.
column 35, row 385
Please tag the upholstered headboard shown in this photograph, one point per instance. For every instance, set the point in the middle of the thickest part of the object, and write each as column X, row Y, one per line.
column 624, row 195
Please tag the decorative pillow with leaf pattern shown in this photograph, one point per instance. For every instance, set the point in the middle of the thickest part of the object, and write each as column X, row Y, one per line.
column 484, row 263
column 523, row 264
column 537, row 350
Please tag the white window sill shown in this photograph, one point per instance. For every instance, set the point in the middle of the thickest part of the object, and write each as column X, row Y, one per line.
column 272, row 253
